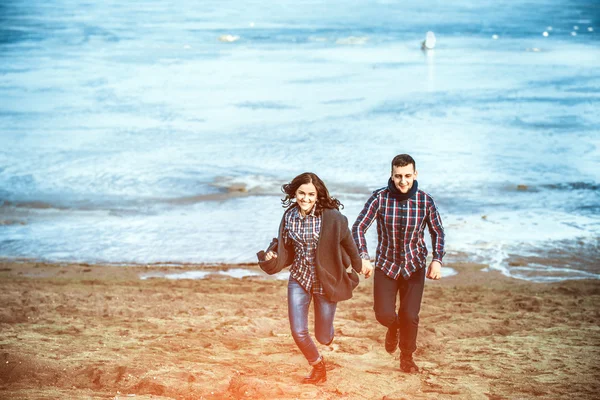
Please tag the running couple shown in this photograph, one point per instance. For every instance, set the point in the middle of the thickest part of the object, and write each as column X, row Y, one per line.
column 315, row 241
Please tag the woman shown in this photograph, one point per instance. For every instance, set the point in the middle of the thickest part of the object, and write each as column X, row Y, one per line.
column 314, row 240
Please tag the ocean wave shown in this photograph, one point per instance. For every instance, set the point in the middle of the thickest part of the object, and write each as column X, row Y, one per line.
column 230, row 187
column 231, row 193
column 393, row 65
column 248, row 184
column 566, row 187
column 229, row 38
column 352, row 40
column 34, row 205
column 265, row 105
column 544, row 273
column 7, row 222
column 563, row 123
column 220, row 189
column 344, row 101
column 91, row 31
column 572, row 186
column 555, row 260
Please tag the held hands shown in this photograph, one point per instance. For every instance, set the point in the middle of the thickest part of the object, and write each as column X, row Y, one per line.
column 434, row 271
column 367, row 268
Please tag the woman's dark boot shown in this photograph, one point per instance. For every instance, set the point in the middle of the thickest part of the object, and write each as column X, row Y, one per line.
column 318, row 373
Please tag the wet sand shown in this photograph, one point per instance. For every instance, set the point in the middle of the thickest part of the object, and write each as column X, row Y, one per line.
column 98, row 332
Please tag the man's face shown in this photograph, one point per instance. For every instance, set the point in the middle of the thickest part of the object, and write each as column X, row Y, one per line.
column 404, row 177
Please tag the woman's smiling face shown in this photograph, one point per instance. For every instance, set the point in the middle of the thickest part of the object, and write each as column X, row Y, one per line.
column 306, row 197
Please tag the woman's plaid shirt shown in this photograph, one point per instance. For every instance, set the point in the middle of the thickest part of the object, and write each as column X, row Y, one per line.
column 303, row 234
column 400, row 231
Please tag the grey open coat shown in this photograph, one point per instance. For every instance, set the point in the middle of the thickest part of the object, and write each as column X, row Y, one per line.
column 336, row 251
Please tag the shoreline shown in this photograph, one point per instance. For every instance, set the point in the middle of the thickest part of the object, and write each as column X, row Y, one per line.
column 99, row 331
column 222, row 267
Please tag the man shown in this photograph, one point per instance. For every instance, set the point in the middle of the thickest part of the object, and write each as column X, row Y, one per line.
column 402, row 212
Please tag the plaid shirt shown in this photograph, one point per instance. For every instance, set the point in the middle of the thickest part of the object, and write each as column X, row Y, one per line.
column 400, row 229
column 303, row 234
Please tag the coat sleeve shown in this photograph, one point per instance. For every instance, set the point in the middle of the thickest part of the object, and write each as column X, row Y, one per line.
column 285, row 255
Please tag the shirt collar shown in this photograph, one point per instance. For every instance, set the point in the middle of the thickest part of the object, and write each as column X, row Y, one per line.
column 297, row 214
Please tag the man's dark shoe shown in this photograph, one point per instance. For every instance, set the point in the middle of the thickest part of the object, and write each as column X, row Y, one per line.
column 408, row 365
column 391, row 340
column 318, row 374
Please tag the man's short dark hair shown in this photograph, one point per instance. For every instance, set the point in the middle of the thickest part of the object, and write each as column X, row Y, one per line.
column 402, row 160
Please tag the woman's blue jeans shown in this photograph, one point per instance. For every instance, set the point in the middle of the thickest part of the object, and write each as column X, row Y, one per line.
column 298, row 305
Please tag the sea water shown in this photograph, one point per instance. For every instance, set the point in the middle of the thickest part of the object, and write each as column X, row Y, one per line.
column 161, row 132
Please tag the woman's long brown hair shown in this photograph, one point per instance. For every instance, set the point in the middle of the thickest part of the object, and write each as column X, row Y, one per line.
column 324, row 200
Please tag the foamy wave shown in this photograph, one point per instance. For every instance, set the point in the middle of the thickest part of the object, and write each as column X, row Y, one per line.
column 521, row 245
column 7, row 222
column 563, row 186
column 233, row 273
column 248, row 184
column 547, row 273
column 447, row 272
column 229, row 38
column 256, row 185
column 353, row 40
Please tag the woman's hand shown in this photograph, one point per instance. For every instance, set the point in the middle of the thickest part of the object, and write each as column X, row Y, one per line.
column 367, row 268
column 270, row 254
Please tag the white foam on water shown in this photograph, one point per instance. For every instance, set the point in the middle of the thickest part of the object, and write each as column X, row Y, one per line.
column 544, row 273
column 178, row 275
column 250, row 183
column 447, row 272
column 493, row 239
column 239, row 273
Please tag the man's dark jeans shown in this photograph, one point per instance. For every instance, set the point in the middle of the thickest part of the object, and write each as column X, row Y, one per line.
column 386, row 291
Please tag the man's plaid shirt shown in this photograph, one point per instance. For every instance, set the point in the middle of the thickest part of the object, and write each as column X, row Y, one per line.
column 400, row 230
column 303, row 234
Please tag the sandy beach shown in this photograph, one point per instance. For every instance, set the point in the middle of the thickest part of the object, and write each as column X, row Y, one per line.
column 97, row 332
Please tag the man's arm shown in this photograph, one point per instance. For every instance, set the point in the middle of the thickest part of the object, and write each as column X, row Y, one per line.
column 436, row 230
column 364, row 220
